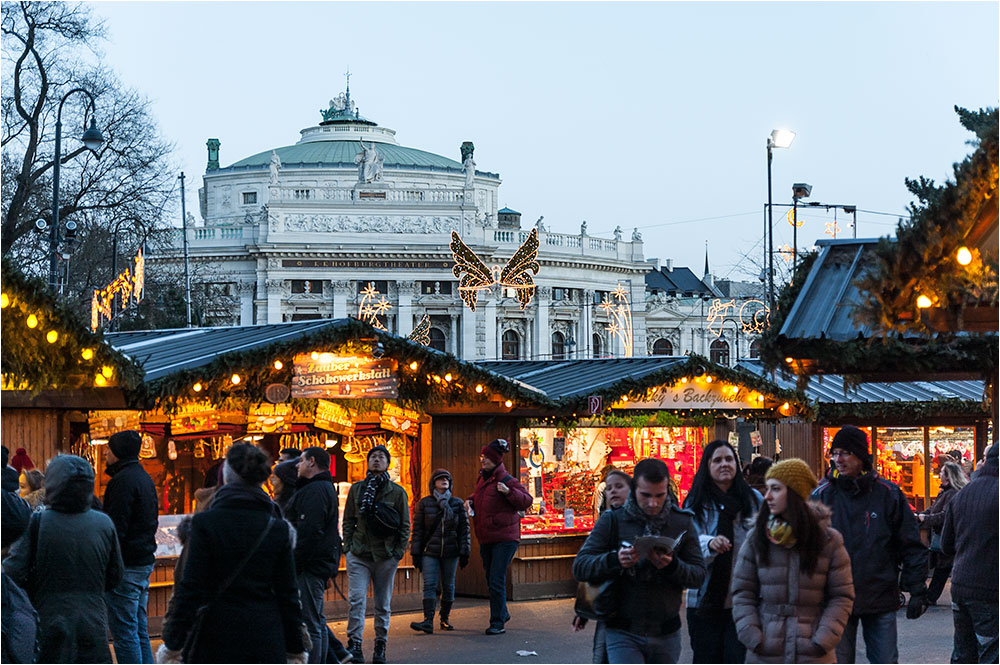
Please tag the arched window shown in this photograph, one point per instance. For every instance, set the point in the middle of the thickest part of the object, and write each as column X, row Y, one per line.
column 755, row 349
column 597, row 345
column 437, row 339
column 718, row 352
column 558, row 346
column 663, row 347
column 510, row 348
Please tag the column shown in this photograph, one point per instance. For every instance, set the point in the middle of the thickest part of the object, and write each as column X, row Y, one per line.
column 542, row 347
column 246, row 303
column 586, row 344
column 468, row 335
column 340, row 289
column 405, row 308
column 453, row 337
column 274, row 288
column 491, row 330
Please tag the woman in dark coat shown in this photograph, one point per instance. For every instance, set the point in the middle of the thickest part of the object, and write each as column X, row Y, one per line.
column 75, row 551
column 953, row 478
column 257, row 619
column 439, row 543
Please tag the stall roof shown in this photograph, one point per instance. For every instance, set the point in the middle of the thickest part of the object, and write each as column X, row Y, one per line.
column 560, row 379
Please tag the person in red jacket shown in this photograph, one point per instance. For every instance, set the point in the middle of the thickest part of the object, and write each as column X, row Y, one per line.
column 494, row 508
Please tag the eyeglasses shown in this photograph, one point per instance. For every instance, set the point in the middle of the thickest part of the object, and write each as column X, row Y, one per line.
column 839, row 453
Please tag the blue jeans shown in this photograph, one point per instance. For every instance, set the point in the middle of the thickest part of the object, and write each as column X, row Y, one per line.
column 975, row 632
column 496, row 560
column 879, row 634
column 126, row 605
column 311, row 590
column 439, row 570
column 626, row 647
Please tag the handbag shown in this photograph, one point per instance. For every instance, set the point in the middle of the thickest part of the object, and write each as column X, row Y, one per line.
column 194, row 633
column 599, row 601
column 384, row 520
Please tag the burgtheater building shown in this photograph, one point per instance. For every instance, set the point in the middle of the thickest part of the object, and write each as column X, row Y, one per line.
column 348, row 217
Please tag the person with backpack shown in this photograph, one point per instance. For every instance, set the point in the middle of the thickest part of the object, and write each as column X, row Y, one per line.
column 376, row 533
column 439, row 545
column 494, row 509
column 66, row 561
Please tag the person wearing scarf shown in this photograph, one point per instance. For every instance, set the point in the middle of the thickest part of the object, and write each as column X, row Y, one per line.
column 724, row 506
column 373, row 558
column 440, row 544
column 792, row 585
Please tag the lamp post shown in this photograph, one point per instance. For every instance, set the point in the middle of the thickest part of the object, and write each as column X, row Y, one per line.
column 800, row 190
column 779, row 138
column 93, row 140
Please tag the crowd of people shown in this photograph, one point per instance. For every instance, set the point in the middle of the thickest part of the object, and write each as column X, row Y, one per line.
column 771, row 563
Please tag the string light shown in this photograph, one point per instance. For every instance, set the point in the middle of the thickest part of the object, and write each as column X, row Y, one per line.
column 735, row 389
column 197, row 387
column 414, row 365
column 447, row 377
column 51, row 336
column 314, row 355
column 87, row 354
column 923, row 302
column 964, row 257
column 278, row 364
column 479, row 388
column 760, row 398
column 789, row 360
column 708, row 379
column 4, row 300
column 99, row 380
column 32, row 321
column 684, row 380
column 235, row 378
column 508, row 404
column 108, row 371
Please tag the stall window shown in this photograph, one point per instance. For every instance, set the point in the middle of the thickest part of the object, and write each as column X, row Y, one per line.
column 755, row 349
column 558, row 346
column 663, row 347
column 597, row 345
column 511, row 345
column 437, row 339
column 718, row 352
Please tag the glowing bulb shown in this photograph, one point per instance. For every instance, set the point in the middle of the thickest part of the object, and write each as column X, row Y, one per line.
column 235, row 378
column 278, row 364
column 735, row 389
column 684, row 380
column 789, row 360
column 107, row 371
column 964, row 257
column 508, row 404
column 4, row 300
column 197, row 387
column 447, row 377
column 624, row 398
column 923, row 302
column 87, row 354
column 100, row 380
column 708, row 379
column 437, row 379
column 479, row 388
column 785, row 406
column 413, row 365
column 314, row 355
column 32, row 321
column 760, row 398
column 51, row 336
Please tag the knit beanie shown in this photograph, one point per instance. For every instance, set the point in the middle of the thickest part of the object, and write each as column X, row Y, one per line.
column 441, row 473
column 125, row 444
column 388, row 457
column 495, row 450
column 854, row 441
column 795, row 474
column 21, row 461
column 287, row 472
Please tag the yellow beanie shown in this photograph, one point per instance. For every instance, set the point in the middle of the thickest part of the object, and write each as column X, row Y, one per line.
column 795, row 474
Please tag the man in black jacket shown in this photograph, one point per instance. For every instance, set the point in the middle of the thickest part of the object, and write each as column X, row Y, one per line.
column 882, row 537
column 645, row 626
column 130, row 502
column 970, row 534
column 314, row 510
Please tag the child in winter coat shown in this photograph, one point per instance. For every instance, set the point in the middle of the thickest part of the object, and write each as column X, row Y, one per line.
column 781, row 616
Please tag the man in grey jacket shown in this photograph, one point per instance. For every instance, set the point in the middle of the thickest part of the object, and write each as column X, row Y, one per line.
column 645, row 624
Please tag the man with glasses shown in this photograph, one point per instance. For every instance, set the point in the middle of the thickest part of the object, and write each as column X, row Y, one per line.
column 882, row 538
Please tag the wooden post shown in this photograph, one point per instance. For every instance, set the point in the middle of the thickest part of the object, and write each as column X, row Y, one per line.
column 927, row 466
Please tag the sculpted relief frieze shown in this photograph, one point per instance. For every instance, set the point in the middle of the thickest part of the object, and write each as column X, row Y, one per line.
column 370, row 223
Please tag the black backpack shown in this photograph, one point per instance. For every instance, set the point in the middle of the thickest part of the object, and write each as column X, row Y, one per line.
column 384, row 520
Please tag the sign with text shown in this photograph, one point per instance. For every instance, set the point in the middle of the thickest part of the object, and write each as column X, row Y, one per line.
column 398, row 419
column 595, row 405
column 366, row 263
column 707, row 396
column 105, row 423
column 344, row 377
column 333, row 418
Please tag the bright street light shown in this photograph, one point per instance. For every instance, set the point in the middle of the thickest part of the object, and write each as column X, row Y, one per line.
column 782, row 138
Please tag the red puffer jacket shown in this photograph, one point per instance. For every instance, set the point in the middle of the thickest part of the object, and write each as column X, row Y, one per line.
column 496, row 519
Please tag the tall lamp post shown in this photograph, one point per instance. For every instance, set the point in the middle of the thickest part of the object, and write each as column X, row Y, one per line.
column 93, row 140
column 779, row 138
column 800, row 190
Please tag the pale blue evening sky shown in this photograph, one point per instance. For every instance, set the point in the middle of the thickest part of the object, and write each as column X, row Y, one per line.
column 635, row 114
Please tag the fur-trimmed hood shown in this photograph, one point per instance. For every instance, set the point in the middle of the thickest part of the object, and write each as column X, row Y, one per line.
column 822, row 512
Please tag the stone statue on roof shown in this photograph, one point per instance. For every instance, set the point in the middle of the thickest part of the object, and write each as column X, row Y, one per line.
column 618, row 232
column 274, row 167
column 341, row 105
column 369, row 163
column 636, row 236
column 470, row 171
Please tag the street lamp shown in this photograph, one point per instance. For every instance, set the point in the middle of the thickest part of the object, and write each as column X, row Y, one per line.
column 779, row 138
column 800, row 190
column 92, row 140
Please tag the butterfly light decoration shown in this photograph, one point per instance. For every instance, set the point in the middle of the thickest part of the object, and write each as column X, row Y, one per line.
column 475, row 276
column 421, row 334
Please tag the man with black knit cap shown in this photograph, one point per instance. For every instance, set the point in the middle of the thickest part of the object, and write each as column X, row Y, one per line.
column 130, row 502
column 376, row 533
column 494, row 508
column 882, row 538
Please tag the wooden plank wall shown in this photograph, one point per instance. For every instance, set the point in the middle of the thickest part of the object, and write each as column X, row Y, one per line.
column 543, row 567
column 801, row 440
column 457, row 441
column 41, row 432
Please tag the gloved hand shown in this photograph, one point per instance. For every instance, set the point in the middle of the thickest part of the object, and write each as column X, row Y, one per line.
column 418, row 562
column 917, row 606
column 165, row 656
column 463, row 560
column 296, row 658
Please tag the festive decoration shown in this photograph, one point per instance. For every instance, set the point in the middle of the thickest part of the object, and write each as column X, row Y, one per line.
column 753, row 315
column 617, row 307
column 369, row 309
column 793, row 219
column 421, row 334
column 832, row 229
column 127, row 285
column 474, row 275
column 787, row 253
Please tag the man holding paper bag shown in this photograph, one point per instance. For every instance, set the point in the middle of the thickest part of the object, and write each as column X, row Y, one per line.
column 649, row 551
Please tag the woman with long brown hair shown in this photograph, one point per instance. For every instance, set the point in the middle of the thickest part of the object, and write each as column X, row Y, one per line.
column 953, row 478
column 782, row 617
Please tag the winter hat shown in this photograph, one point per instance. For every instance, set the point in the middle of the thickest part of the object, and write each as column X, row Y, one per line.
column 125, row 444
column 388, row 457
column 441, row 473
column 495, row 450
column 991, row 453
column 854, row 441
column 287, row 472
column 795, row 474
column 21, row 461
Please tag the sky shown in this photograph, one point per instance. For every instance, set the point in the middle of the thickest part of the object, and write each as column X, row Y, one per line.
column 648, row 115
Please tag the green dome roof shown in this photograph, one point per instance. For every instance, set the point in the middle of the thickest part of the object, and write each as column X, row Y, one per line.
column 341, row 153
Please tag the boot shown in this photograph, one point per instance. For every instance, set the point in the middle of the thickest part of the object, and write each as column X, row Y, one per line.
column 354, row 648
column 427, row 625
column 378, row 656
column 445, row 612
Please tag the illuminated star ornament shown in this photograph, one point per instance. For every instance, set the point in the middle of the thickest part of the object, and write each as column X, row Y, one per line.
column 832, row 229
column 422, row 332
column 617, row 307
column 369, row 309
column 786, row 253
column 475, row 276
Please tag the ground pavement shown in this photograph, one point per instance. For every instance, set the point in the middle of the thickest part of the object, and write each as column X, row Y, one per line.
column 544, row 626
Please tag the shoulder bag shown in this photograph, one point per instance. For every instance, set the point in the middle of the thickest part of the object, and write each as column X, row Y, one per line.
column 599, row 601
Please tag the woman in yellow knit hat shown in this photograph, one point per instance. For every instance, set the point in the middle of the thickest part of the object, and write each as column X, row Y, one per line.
column 782, row 617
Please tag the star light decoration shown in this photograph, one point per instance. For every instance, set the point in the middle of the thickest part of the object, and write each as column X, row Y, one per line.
column 369, row 309
column 753, row 315
column 616, row 306
column 786, row 253
column 832, row 229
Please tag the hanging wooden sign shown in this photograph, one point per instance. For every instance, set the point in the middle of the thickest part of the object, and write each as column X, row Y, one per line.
column 694, row 396
column 333, row 418
column 397, row 419
column 344, row 377
column 105, row 423
column 192, row 418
